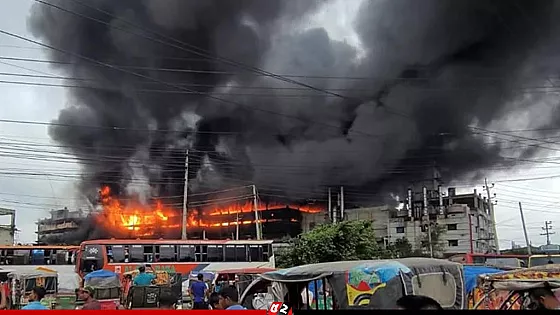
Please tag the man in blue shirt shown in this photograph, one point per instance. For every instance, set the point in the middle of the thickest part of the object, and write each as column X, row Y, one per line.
column 37, row 294
column 143, row 278
column 229, row 299
column 198, row 291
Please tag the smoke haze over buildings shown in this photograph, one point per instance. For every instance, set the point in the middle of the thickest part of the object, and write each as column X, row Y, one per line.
column 403, row 102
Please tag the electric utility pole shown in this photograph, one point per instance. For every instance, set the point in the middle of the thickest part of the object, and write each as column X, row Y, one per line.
column 547, row 227
column 258, row 226
column 492, row 217
column 524, row 230
column 185, row 195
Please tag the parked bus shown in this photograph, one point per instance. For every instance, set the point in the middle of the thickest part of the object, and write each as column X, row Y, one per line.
column 40, row 255
column 496, row 260
column 177, row 256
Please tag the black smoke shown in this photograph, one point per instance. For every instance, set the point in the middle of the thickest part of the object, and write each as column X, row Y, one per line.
column 425, row 73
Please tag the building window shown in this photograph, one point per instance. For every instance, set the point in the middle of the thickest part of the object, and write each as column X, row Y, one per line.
column 453, row 242
column 452, row 227
column 400, row 229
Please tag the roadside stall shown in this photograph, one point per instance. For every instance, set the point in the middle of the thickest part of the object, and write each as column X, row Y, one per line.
column 366, row 284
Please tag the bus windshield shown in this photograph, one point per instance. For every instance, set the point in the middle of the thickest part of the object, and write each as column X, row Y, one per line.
column 503, row 262
column 544, row 260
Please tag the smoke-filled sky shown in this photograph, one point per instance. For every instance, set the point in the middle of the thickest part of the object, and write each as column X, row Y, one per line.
column 411, row 85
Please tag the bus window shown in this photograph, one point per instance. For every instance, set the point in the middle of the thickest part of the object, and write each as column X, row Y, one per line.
column 186, row 253
column 230, row 253
column 240, row 253
column 256, row 253
column 167, row 253
column 215, row 253
column 201, row 253
column 136, row 254
column 267, row 252
column 544, row 260
column 148, row 253
column 118, row 253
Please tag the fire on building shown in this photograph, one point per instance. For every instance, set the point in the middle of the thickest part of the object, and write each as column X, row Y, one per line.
column 132, row 219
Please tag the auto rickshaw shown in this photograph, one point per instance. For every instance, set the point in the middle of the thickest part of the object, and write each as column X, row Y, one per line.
column 363, row 284
column 511, row 290
column 22, row 284
column 107, row 286
column 147, row 297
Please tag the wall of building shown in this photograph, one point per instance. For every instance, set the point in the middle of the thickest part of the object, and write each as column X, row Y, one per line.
column 6, row 235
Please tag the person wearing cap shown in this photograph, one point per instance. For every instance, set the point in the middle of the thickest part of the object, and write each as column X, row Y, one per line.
column 37, row 294
column 86, row 294
column 143, row 278
column 229, row 299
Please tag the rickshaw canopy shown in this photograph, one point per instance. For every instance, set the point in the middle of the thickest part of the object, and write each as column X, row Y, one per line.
column 102, row 279
column 379, row 283
column 523, row 279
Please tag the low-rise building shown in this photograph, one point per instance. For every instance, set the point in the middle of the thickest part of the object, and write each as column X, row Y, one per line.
column 62, row 222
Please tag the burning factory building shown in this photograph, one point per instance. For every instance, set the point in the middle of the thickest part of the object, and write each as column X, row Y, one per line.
column 132, row 219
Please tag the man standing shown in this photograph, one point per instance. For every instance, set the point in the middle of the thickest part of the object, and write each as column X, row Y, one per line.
column 143, row 278
column 37, row 294
column 198, row 291
column 86, row 294
column 229, row 299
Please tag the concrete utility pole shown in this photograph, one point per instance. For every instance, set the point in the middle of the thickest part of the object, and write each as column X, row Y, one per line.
column 256, row 208
column 330, row 206
column 547, row 227
column 492, row 217
column 341, row 203
column 237, row 225
column 524, row 230
column 185, row 196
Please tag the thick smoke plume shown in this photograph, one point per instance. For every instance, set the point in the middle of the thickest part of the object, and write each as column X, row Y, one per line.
column 402, row 103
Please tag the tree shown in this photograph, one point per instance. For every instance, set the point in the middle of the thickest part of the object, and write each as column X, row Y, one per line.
column 402, row 248
column 437, row 244
column 349, row 240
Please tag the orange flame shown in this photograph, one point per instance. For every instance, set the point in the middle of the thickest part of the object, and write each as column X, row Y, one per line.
column 138, row 219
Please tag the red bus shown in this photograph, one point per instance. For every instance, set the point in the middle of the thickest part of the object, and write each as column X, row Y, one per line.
column 177, row 256
column 496, row 260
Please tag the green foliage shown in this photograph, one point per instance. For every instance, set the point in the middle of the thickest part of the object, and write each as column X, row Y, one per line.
column 402, row 248
column 437, row 244
column 349, row 240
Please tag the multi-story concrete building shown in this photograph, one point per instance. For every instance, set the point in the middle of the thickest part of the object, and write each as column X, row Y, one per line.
column 464, row 222
column 52, row 230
